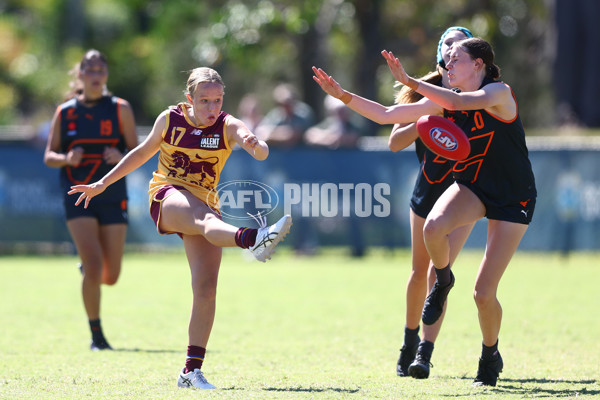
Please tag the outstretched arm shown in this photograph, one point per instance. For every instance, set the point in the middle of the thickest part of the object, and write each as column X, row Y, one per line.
column 402, row 136
column 496, row 98
column 239, row 133
column 133, row 160
column 402, row 113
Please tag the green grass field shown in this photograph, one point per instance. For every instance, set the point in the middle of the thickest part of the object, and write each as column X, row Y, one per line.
column 325, row 327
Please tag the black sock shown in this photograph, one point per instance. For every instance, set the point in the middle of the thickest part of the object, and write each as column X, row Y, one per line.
column 489, row 353
column 443, row 275
column 411, row 336
column 96, row 328
column 425, row 347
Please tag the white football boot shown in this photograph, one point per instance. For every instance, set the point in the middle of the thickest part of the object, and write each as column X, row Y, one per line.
column 269, row 236
column 193, row 379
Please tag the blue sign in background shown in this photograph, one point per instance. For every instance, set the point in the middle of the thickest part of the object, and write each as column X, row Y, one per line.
column 567, row 214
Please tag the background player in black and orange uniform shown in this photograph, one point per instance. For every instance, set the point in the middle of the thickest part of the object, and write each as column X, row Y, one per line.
column 89, row 135
column 194, row 141
column 434, row 177
column 496, row 180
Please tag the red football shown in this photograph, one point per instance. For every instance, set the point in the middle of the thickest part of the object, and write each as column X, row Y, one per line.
column 443, row 137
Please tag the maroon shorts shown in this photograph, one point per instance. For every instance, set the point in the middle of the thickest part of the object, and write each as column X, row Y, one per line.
column 160, row 195
column 155, row 206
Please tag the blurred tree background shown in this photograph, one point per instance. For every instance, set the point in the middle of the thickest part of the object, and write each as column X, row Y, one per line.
column 151, row 45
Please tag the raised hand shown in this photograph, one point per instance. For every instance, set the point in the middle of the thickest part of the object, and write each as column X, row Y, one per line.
column 327, row 83
column 396, row 67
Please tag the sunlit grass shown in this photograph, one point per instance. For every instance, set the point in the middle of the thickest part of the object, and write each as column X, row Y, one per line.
column 324, row 327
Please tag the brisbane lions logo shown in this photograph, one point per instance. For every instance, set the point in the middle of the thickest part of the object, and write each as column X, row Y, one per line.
column 205, row 168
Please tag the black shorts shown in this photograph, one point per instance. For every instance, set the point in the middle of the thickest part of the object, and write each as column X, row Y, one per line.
column 518, row 212
column 422, row 206
column 105, row 213
column 425, row 195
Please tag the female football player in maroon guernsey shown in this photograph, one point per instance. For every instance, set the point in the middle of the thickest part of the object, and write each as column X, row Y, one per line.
column 194, row 140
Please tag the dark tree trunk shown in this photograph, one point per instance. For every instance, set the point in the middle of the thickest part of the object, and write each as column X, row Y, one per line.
column 577, row 60
column 368, row 15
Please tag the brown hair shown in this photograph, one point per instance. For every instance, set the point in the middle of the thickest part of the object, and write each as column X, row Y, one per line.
column 76, row 86
column 407, row 95
column 202, row 75
column 479, row 48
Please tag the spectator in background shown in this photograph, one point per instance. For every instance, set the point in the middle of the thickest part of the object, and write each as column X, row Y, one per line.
column 337, row 130
column 285, row 125
column 249, row 111
column 89, row 134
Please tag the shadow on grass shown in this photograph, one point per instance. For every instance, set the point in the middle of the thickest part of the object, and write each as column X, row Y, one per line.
column 311, row 390
column 299, row 389
column 539, row 387
column 146, row 351
column 544, row 380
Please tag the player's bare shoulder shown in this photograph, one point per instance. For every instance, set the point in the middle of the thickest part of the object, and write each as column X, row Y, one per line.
column 505, row 104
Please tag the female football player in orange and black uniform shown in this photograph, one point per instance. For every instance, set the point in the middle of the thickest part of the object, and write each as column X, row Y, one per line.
column 89, row 135
column 194, row 141
column 434, row 177
column 495, row 181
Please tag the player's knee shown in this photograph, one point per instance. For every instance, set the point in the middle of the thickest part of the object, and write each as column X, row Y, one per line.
column 110, row 274
column 110, row 280
column 92, row 274
column 205, row 292
column 432, row 229
column 204, row 296
column 205, row 225
column 419, row 275
column 483, row 297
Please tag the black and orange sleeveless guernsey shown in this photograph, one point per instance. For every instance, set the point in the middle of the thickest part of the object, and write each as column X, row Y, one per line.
column 435, row 176
column 498, row 169
column 191, row 156
column 94, row 129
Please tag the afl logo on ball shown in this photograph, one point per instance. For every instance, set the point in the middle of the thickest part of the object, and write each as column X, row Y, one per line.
column 443, row 138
